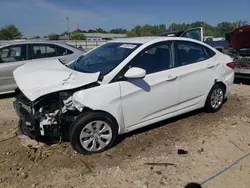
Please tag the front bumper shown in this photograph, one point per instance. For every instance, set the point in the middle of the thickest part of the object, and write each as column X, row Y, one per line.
column 29, row 122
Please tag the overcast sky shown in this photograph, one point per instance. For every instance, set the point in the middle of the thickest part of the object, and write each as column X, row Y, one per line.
column 41, row 17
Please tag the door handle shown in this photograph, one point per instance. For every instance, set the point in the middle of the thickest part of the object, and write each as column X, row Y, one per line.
column 209, row 66
column 171, row 78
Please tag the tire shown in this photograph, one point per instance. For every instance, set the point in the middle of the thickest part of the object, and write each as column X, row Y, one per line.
column 102, row 135
column 217, row 93
column 22, row 128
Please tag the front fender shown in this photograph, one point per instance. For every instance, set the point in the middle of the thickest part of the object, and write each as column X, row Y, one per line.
column 105, row 98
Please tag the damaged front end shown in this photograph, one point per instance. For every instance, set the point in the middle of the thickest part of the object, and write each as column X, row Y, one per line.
column 47, row 118
column 45, row 103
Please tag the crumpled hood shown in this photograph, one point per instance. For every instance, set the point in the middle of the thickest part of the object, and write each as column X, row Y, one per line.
column 36, row 79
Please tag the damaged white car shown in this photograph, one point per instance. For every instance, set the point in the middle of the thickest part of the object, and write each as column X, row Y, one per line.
column 118, row 87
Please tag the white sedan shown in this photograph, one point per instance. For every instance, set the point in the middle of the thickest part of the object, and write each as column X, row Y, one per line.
column 118, row 87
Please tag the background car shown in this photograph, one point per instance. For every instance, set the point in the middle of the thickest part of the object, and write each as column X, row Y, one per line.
column 16, row 53
column 120, row 86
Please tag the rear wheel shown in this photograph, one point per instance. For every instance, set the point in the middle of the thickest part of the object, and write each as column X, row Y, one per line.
column 93, row 132
column 215, row 98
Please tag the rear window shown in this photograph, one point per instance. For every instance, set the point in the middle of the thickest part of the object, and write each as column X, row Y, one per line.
column 210, row 52
column 48, row 50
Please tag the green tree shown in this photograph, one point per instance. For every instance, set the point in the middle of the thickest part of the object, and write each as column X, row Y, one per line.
column 10, row 32
column 118, row 31
column 36, row 37
column 225, row 27
column 77, row 31
column 100, row 30
column 53, row 36
column 91, row 31
column 147, row 30
column 131, row 34
column 77, row 35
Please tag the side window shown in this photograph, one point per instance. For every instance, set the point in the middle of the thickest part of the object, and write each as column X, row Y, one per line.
column 210, row 52
column 155, row 58
column 60, row 51
column 193, row 34
column 43, row 51
column 13, row 53
column 190, row 52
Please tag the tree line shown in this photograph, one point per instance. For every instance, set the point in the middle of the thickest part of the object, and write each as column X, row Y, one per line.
column 11, row 32
column 209, row 30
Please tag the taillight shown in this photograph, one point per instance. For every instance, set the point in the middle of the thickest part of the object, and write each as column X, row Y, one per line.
column 231, row 65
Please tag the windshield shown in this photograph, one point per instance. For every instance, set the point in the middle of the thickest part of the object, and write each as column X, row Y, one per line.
column 104, row 58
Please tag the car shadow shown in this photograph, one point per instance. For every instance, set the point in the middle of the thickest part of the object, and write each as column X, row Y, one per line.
column 193, row 185
column 7, row 96
column 242, row 81
column 159, row 124
column 156, row 125
column 122, row 137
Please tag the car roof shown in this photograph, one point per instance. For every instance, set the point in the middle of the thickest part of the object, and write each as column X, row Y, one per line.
column 3, row 43
column 138, row 40
column 13, row 42
column 142, row 40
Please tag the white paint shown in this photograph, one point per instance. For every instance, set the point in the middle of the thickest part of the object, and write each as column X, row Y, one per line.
column 106, row 97
column 135, row 72
column 134, row 103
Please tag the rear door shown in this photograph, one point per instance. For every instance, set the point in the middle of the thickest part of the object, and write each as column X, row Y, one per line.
column 196, row 67
column 11, row 57
column 194, row 33
column 50, row 51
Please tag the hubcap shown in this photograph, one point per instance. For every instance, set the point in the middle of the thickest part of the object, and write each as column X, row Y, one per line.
column 95, row 136
column 216, row 98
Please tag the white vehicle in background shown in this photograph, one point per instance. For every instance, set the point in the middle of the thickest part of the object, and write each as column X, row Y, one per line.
column 120, row 86
column 211, row 38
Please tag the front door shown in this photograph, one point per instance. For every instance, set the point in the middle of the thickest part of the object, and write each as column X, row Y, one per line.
column 11, row 57
column 157, row 94
column 194, row 33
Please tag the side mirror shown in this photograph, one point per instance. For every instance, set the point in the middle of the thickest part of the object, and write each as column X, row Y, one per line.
column 135, row 72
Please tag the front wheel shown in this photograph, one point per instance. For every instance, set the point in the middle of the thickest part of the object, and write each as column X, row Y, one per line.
column 93, row 132
column 22, row 128
column 215, row 98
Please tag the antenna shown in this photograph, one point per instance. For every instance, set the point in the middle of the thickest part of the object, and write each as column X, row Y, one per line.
column 67, row 18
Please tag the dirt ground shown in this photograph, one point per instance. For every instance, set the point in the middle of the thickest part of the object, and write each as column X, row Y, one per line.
column 213, row 142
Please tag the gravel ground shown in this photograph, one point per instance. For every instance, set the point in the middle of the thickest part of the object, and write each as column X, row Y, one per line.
column 213, row 141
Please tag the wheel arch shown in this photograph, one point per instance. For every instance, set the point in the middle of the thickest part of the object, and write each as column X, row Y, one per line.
column 207, row 105
column 121, row 129
column 220, row 82
column 104, row 98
